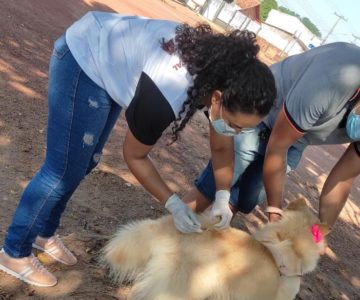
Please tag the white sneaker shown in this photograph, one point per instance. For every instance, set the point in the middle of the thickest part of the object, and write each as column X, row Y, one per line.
column 27, row 269
column 54, row 247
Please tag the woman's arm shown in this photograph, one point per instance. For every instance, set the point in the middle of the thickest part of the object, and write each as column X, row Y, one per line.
column 222, row 154
column 338, row 184
column 139, row 163
column 282, row 137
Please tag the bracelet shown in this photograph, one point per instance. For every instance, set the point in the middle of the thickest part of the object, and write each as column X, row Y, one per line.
column 274, row 210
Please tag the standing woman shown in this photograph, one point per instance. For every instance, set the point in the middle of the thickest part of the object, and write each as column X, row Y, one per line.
column 161, row 72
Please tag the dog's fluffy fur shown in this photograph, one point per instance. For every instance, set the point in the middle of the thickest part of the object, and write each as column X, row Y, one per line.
column 214, row 265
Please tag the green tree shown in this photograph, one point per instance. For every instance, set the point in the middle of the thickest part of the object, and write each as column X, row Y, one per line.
column 265, row 7
column 306, row 21
column 289, row 12
column 311, row 26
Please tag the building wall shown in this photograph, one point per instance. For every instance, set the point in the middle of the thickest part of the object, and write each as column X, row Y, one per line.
column 292, row 25
column 284, row 41
column 195, row 4
column 229, row 16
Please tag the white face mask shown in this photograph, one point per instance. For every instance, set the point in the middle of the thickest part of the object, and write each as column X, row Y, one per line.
column 221, row 127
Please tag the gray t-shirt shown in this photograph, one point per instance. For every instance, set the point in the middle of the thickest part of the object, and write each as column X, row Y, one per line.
column 315, row 89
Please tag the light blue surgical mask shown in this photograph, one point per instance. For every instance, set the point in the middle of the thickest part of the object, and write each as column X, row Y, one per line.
column 221, row 127
column 353, row 125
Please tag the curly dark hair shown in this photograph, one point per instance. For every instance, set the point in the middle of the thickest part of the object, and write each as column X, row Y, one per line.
column 225, row 62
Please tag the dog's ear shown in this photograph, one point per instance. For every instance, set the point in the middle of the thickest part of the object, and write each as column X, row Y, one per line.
column 323, row 228
column 298, row 204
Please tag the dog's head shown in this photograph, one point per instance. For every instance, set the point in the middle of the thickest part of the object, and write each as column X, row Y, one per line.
column 296, row 240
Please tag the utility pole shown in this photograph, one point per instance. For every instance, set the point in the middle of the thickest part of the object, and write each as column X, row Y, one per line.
column 355, row 39
column 333, row 27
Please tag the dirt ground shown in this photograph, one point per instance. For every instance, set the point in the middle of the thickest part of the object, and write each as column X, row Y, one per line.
column 110, row 196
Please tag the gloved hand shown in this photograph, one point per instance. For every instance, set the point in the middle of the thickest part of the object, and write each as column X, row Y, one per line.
column 184, row 218
column 220, row 208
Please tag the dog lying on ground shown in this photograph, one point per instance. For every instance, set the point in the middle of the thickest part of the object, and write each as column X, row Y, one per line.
column 165, row 264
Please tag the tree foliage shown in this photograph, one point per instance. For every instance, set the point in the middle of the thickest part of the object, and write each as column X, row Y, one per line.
column 306, row 21
column 311, row 26
column 289, row 12
column 265, row 7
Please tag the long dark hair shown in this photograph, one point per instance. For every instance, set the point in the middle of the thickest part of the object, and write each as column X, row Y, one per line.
column 225, row 62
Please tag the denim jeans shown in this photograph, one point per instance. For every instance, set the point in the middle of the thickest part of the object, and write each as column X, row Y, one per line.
column 81, row 117
column 247, row 187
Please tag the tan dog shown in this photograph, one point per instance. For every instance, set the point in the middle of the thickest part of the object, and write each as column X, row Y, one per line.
column 227, row 265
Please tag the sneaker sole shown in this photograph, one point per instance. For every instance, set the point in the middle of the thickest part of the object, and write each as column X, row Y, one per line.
column 18, row 276
column 53, row 256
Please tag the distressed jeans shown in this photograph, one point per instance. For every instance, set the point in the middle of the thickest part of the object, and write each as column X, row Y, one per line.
column 81, row 117
column 247, row 187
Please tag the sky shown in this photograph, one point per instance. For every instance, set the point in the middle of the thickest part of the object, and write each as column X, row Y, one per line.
column 321, row 13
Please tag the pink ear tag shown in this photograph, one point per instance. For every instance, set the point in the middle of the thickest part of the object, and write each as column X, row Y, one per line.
column 317, row 237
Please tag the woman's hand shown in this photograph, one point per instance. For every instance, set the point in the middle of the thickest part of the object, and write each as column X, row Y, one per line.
column 185, row 219
column 221, row 209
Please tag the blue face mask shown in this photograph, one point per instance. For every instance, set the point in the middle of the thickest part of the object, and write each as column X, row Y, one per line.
column 221, row 127
column 353, row 125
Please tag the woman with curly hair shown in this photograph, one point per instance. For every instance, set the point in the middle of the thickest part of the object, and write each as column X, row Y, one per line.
column 161, row 72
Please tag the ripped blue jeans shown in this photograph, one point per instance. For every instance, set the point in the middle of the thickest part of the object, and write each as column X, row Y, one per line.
column 247, row 187
column 81, row 117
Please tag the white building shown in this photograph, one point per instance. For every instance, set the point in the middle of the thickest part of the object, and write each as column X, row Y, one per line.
column 284, row 31
column 283, row 24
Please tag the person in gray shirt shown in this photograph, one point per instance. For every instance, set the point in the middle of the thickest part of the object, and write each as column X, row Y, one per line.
column 317, row 100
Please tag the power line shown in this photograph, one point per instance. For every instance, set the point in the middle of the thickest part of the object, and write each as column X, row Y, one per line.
column 355, row 39
column 333, row 27
column 342, row 34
